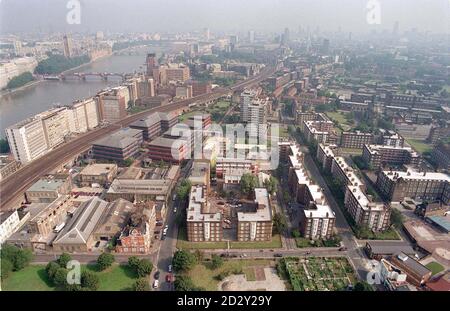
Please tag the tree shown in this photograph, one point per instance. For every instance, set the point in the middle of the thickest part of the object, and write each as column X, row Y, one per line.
column 184, row 189
column 248, row 183
column 295, row 233
column 105, row 260
column 184, row 283
column 6, row 268
column 279, row 222
column 183, row 260
column 63, row 259
column 144, row 267
column 362, row 286
column 141, row 285
column 4, row 146
column 22, row 259
column 271, row 184
column 89, row 280
column 60, row 277
column 396, row 218
column 20, row 80
column 133, row 262
column 128, row 162
column 198, row 255
column 51, row 269
column 216, row 261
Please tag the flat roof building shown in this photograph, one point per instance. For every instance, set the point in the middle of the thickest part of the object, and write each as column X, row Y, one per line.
column 118, row 146
column 204, row 221
column 255, row 224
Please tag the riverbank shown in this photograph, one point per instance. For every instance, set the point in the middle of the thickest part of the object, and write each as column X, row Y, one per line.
column 32, row 83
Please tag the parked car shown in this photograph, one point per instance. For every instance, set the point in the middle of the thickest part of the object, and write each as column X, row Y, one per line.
column 156, row 284
column 175, row 210
column 169, row 278
column 342, row 249
column 163, row 237
column 169, row 268
column 156, row 275
column 97, row 244
column 277, row 255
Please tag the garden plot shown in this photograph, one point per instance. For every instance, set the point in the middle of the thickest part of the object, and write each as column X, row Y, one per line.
column 319, row 273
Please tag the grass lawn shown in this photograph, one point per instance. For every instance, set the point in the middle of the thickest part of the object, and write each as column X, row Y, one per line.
column 186, row 115
column 419, row 145
column 34, row 278
column 115, row 278
column 203, row 276
column 222, row 105
column 340, row 118
column 435, row 267
column 183, row 243
column 352, row 151
column 283, row 132
column 275, row 243
column 31, row 278
column 303, row 243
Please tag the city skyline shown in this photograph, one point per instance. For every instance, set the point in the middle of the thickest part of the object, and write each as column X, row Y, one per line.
column 234, row 16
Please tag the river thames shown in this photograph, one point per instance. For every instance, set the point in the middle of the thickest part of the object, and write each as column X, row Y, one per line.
column 36, row 98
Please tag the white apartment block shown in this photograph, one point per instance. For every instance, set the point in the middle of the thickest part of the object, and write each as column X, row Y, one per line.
column 9, row 223
column 56, row 126
column 83, row 116
column 27, row 140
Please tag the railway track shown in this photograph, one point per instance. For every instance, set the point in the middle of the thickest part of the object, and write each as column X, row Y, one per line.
column 12, row 187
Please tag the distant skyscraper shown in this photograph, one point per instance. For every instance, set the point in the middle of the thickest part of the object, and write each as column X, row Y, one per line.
column 67, row 42
column 17, row 47
column 325, row 45
column 234, row 39
column 286, row 36
column 251, row 36
column 151, row 63
column 206, row 34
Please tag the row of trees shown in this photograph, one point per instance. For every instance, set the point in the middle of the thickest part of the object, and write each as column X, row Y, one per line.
column 184, row 189
column 20, row 80
column 249, row 182
column 57, row 272
column 56, row 64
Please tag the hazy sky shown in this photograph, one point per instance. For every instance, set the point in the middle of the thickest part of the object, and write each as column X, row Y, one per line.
column 228, row 15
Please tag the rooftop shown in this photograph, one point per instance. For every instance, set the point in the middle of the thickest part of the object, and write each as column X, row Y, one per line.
column 263, row 210
column 98, row 169
column 413, row 174
column 83, row 222
column 47, row 184
column 199, row 208
column 412, row 264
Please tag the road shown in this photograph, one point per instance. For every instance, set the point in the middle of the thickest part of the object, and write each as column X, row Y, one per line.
column 356, row 255
column 167, row 246
column 13, row 187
